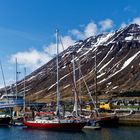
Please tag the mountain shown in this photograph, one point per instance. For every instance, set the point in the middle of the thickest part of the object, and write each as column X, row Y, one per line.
column 118, row 68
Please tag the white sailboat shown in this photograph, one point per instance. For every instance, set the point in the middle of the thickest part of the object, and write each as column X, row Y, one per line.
column 57, row 123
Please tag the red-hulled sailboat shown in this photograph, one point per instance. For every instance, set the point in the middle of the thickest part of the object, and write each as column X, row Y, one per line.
column 102, row 119
column 57, row 123
column 107, row 120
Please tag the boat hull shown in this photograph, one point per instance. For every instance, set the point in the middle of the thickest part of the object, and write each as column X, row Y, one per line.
column 108, row 121
column 55, row 126
column 5, row 121
column 17, row 122
column 92, row 127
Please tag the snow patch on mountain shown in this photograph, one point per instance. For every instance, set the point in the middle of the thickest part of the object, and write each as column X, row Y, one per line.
column 114, row 54
column 31, row 78
column 101, row 75
column 129, row 60
column 115, row 87
column 103, row 39
column 52, row 86
column 129, row 38
column 66, row 86
column 126, row 63
column 105, row 56
column 105, row 65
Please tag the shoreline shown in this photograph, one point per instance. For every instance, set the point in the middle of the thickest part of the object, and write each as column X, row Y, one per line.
column 132, row 120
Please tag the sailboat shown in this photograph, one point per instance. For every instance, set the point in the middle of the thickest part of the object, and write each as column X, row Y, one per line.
column 103, row 120
column 109, row 119
column 4, row 117
column 58, row 122
column 17, row 120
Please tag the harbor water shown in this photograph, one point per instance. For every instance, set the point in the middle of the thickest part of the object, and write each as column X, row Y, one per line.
column 117, row 133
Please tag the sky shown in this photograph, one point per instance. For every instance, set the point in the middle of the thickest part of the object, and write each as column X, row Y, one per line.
column 27, row 28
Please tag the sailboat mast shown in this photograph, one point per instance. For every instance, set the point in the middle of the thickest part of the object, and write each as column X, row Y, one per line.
column 24, row 88
column 58, row 92
column 75, row 94
column 80, row 92
column 16, row 77
column 96, row 100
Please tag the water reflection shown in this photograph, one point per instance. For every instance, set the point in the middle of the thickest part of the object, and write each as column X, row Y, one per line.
column 20, row 133
column 56, row 135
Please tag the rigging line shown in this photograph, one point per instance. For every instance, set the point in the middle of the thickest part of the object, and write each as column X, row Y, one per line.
column 80, row 91
column 3, row 77
column 5, row 86
column 89, row 93
column 73, row 85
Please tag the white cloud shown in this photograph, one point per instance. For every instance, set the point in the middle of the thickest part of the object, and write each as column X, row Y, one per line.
column 123, row 25
column 1, row 86
column 136, row 20
column 89, row 30
column 33, row 58
column 77, row 34
column 51, row 49
column 106, row 24
column 129, row 9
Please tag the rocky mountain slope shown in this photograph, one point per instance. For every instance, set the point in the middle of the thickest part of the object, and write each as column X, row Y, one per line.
column 118, row 68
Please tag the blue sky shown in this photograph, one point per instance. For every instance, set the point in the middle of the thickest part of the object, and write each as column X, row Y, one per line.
column 27, row 27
